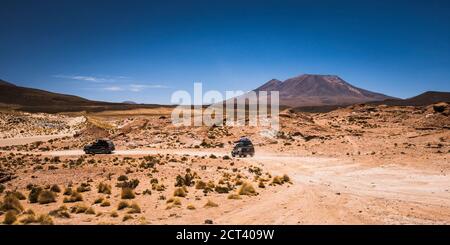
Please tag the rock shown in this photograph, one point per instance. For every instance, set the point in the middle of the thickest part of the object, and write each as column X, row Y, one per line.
column 209, row 222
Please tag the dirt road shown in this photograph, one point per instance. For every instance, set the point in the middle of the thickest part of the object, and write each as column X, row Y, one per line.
column 332, row 191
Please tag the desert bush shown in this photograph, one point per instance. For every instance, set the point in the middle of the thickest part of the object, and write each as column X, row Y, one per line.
column 84, row 187
column 75, row 197
column 211, row 204
column 200, row 185
column 190, row 207
column 99, row 200
column 10, row 217
column 174, row 200
column 90, row 210
column 122, row 178
column 179, row 192
column 147, row 192
column 34, row 194
column 55, row 188
column 286, row 178
column 11, row 203
column 234, row 196
column 68, row 191
column 45, row 219
column 226, row 157
column 60, row 212
column 134, row 209
column 122, row 205
column 79, row 208
column 114, row 214
column 104, row 188
column 105, row 203
column 247, row 189
column 127, row 217
column 277, row 180
column 127, row 193
column 2, row 188
column 128, row 184
column 28, row 219
column 221, row 189
column 261, row 184
column 46, row 196
column 17, row 194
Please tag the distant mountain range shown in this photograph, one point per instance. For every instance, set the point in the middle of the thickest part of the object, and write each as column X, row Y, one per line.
column 305, row 91
column 36, row 100
column 319, row 90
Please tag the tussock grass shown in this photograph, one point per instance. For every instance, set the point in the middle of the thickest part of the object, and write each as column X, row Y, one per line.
column 10, row 217
column 90, row 211
column 55, row 188
column 79, row 208
column 134, row 209
column 105, row 203
column 99, row 200
column 179, row 192
column 200, row 185
column 190, row 207
column 61, row 212
column 84, row 187
column 211, row 204
column 45, row 219
column 104, row 188
column 74, row 197
column 122, row 205
column 234, row 196
column 11, row 203
column 68, row 191
column 247, row 189
column 127, row 217
column 114, row 214
column 127, row 193
column 34, row 194
column 46, row 196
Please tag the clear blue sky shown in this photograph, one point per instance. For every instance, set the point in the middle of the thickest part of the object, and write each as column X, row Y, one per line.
column 144, row 50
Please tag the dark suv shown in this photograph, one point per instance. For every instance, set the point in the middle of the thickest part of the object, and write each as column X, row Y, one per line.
column 243, row 148
column 100, row 147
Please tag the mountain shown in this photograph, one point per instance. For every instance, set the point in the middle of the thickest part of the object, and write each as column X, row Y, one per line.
column 36, row 100
column 319, row 90
column 427, row 98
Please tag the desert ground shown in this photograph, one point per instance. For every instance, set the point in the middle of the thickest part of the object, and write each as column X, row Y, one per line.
column 361, row 164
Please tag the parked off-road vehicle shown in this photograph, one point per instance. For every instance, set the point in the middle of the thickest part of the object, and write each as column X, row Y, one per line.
column 244, row 147
column 100, row 147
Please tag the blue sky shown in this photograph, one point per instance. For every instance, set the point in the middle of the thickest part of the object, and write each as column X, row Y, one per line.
column 144, row 50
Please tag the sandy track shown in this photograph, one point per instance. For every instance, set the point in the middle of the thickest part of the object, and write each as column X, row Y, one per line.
column 332, row 191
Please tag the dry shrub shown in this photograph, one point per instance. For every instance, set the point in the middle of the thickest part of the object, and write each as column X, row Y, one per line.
column 84, row 187
column 122, row 178
column 34, row 194
column 11, row 203
column 55, row 188
column 68, row 191
column 234, row 196
column 10, row 217
column 179, row 192
column 79, row 208
column 261, row 185
column 75, row 197
column 114, row 214
column 104, row 188
column 200, row 185
column 122, row 205
column 174, row 201
column 28, row 219
column 222, row 189
column 134, row 209
column 46, row 196
column 45, row 219
column 190, row 207
column 211, row 204
column 127, row 217
column 127, row 193
column 105, row 203
column 99, row 200
column 247, row 189
column 90, row 210
column 61, row 212
column 17, row 194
